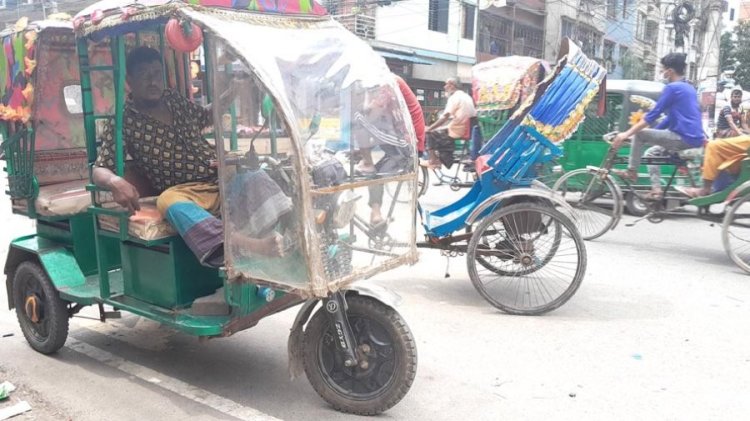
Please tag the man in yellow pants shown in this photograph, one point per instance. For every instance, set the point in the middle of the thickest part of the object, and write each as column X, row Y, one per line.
column 718, row 155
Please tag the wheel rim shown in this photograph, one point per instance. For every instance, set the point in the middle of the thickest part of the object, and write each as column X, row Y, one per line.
column 737, row 233
column 376, row 351
column 33, row 311
column 593, row 202
column 534, row 263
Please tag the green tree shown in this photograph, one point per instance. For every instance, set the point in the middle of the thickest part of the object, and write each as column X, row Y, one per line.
column 633, row 67
column 741, row 54
column 726, row 51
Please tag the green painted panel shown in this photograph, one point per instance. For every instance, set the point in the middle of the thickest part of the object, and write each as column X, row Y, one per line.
column 62, row 268
column 181, row 320
column 88, row 293
column 170, row 277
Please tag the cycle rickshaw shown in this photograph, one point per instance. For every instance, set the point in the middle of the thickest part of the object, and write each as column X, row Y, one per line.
column 524, row 256
column 66, row 83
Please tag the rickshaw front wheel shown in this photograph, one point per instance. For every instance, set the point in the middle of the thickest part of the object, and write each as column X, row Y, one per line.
column 735, row 232
column 386, row 351
column 42, row 314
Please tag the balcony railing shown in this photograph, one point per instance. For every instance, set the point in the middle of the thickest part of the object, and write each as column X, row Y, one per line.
column 361, row 25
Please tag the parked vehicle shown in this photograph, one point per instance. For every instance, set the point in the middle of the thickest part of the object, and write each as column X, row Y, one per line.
column 356, row 350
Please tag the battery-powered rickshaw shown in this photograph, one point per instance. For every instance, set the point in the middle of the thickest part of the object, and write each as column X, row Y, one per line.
column 65, row 91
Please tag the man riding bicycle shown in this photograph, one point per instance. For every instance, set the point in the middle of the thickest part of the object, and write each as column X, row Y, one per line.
column 680, row 129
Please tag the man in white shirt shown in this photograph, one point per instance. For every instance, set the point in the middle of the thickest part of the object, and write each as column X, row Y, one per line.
column 454, row 123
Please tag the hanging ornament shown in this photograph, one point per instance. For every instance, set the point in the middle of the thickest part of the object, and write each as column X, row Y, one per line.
column 183, row 36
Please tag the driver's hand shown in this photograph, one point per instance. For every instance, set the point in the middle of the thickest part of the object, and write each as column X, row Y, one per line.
column 125, row 194
column 618, row 140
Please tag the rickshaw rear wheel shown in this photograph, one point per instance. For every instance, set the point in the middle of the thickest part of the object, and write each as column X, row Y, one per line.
column 735, row 232
column 423, row 181
column 531, row 257
column 595, row 201
column 387, row 356
column 42, row 314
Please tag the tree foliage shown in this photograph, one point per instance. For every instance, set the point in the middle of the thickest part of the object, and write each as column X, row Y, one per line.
column 633, row 67
column 741, row 53
column 727, row 51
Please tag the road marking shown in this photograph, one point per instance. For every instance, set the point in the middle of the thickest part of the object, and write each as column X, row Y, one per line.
column 179, row 387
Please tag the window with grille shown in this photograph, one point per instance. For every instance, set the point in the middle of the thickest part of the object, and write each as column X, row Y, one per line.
column 640, row 26
column 438, row 16
column 469, row 13
column 612, row 9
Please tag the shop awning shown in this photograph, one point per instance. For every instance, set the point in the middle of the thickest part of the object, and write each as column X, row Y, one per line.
column 403, row 57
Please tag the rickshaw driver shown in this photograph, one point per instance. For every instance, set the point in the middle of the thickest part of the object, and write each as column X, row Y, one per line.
column 452, row 125
column 719, row 153
column 681, row 128
column 162, row 132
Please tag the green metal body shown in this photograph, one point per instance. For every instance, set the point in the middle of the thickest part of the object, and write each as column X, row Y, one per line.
column 157, row 279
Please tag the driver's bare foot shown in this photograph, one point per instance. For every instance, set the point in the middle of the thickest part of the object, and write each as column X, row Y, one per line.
column 271, row 246
column 694, row 192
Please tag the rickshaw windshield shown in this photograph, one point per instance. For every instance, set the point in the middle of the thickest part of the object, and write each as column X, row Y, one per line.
column 332, row 95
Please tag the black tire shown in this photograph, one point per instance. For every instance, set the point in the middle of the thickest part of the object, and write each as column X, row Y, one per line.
column 388, row 377
column 42, row 314
column 507, row 245
column 423, row 178
column 596, row 202
column 634, row 205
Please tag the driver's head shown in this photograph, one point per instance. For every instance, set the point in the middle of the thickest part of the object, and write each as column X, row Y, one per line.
column 451, row 85
column 673, row 66
column 144, row 74
column 736, row 97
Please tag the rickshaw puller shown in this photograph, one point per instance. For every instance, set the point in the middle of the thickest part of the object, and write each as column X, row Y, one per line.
column 680, row 129
column 452, row 125
column 162, row 132
column 717, row 153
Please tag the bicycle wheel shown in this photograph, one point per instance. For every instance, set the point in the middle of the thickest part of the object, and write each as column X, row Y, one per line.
column 595, row 201
column 423, row 178
column 735, row 232
column 531, row 259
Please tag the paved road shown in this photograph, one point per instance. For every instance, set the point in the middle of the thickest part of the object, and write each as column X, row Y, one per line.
column 658, row 330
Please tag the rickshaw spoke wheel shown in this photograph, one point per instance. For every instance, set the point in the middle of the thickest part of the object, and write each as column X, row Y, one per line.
column 531, row 259
column 596, row 203
column 386, row 355
column 42, row 315
column 404, row 195
column 735, row 232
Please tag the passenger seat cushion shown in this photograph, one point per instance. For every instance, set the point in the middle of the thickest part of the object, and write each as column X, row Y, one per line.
column 146, row 224
column 63, row 199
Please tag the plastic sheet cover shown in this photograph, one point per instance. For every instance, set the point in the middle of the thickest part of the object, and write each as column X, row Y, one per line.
column 342, row 147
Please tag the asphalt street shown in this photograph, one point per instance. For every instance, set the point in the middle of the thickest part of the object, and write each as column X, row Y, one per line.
column 657, row 331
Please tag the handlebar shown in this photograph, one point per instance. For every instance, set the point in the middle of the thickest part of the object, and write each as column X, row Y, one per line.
column 245, row 160
column 609, row 136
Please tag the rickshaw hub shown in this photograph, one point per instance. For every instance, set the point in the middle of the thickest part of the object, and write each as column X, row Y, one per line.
column 32, row 308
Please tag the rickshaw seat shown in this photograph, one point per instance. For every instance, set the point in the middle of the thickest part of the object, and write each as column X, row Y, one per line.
column 147, row 224
column 689, row 154
column 61, row 199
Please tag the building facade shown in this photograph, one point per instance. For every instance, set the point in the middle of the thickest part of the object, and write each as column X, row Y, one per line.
column 424, row 41
column 515, row 29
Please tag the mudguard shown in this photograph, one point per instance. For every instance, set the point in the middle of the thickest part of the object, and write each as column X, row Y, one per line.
column 541, row 193
column 295, row 344
column 739, row 191
column 57, row 261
